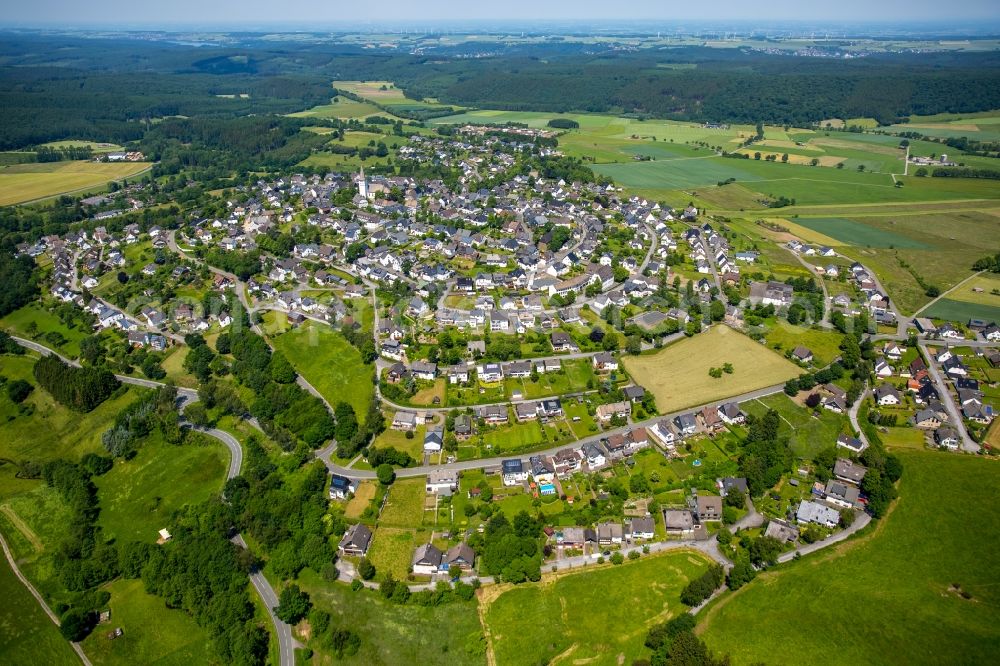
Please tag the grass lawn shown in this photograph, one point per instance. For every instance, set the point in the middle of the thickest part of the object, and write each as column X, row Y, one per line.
column 405, row 506
column 556, row 619
column 27, row 182
column 397, row 439
column 904, row 438
column 27, row 635
column 886, row 597
column 357, row 504
column 392, row 550
column 47, row 430
column 138, row 496
column 329, row 363
column 447, row 635
column 513, row 437
column 678, row 375
column 824, row 344
column 425, row 396
column 808, row 434
column 18, row 321
column 153, row 632
column 572, row 379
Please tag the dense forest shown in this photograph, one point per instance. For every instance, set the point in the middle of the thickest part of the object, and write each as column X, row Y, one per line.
column 55, row 87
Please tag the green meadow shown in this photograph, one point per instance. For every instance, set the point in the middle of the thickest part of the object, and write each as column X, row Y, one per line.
column 918, row 588
column 962, row 311
column 153, row 634
column 558, row 618
column 27, row 635
column 138, row 495
column 330, row 364
column 446, row 635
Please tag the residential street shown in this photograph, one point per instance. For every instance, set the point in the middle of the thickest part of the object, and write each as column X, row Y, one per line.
column 954, row 415
column 408, row 472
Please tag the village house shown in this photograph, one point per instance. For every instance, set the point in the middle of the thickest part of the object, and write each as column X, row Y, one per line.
column 426, row 560
column 814, row 512
column 355, row 541
column 678, row 522
column 841, row 495
column 513, row 472
column 849, row 471
column 639, row 529
column 604, row 362
column 607, row 412
column 609, row 533
column 709, row 507
column 341, row 487
column 404, row 420
column 441, row 482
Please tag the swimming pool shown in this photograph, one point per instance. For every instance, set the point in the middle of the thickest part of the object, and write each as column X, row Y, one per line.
column 547, row 489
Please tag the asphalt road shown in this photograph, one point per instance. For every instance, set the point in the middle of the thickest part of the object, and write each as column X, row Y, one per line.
column 949, row 402
column 464, row 465
column 187, row 396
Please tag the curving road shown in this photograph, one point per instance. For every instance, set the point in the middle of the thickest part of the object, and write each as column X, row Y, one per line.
column 38, row 597
column 852, row 415
column 187, row 396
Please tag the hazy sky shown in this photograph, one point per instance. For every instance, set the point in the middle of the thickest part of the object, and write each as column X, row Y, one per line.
column 328, row 12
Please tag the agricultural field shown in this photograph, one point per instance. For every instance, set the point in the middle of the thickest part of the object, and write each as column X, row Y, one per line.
column 556, row 619
column 152, row 632
column 961, row 311
column 330, row 364
column 138, row 495
column 343, row 109
column 21, row 183
column 853, row 232
column 386, row 94
column 978, row 289
column 678, row 375
column 939, row 246
column 96, row 147
column 983, row 126
column 836, row 603
column 446, row 635
column 27, row 635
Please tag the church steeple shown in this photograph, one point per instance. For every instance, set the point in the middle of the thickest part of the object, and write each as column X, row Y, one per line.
column 362, row 183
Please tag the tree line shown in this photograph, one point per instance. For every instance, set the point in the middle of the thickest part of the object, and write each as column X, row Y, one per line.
column 80, row 389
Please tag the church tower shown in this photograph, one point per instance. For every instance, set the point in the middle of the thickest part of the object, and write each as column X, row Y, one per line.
column 363, row 184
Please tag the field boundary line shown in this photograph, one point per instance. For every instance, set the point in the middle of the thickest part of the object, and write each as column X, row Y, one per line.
column 943, row 295
column 22, row 527
column 38, row 597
